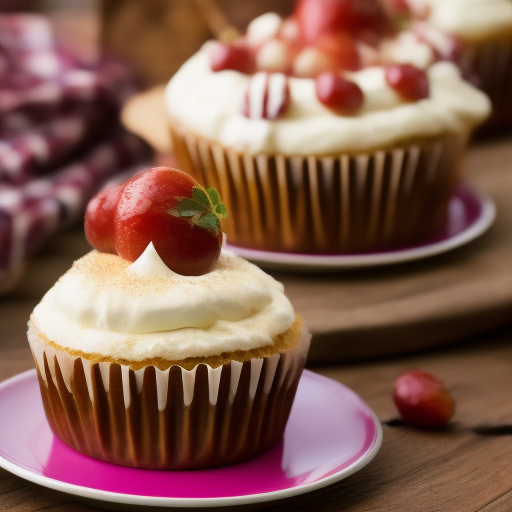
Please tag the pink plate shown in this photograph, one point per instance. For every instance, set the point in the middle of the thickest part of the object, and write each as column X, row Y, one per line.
column 469, row 216
column 331, row 434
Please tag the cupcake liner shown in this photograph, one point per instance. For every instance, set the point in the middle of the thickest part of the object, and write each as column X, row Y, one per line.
column 328, row 204
column 490, row 63
column 167, row 419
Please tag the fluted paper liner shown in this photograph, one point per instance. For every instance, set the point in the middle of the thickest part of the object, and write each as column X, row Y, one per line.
column 170, row 419
column 491, row 63
column 328, row 204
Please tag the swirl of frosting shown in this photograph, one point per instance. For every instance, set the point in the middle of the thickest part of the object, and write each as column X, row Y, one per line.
column 105, row 305
column 208, row 104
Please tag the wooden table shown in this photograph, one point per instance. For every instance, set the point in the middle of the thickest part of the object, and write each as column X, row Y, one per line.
column 465, row 468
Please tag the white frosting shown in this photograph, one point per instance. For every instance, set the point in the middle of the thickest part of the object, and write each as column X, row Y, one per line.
column 105, row 305
column 469, row 19
column 406, row 49
column 310, row 62
column 264, row 27
column 273, row 56
column 208, row 104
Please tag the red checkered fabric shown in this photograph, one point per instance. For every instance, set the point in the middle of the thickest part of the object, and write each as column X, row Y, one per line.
column 60, row 137
column 35, row 150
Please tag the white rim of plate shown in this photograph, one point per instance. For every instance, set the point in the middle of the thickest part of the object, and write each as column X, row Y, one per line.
column 131, row 499
column 325, row 262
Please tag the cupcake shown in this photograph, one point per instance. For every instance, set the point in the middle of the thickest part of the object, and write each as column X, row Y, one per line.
column 327, row 132
column 476, row 34
column 143, row 366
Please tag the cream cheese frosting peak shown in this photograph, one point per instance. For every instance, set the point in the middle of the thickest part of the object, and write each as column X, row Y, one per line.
column 134, row 311
column 150, row 264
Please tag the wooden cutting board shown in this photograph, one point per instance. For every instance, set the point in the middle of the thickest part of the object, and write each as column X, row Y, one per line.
column 407, row 307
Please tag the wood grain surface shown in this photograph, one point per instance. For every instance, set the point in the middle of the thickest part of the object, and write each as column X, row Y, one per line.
column 373, row 312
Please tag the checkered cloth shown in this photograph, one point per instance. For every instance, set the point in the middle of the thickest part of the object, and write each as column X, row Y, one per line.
column 42, row 147
column 60, row 137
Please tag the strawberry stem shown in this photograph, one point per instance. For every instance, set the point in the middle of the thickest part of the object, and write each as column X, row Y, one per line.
column 203, row 209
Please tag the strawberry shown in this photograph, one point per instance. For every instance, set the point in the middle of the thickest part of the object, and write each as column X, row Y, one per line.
column 342, row 49
column 337, row 93
column 320, row 18
column 397, row 7
column 235, row 57
column 164, row 206
column 422, row 400
column 99, row 219
column 409, row 81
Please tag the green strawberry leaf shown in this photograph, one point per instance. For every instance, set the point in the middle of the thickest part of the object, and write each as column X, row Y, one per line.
column 187, row 207
column 221, row 211
column 214, row 196
column 210, row 221
column 204, row 209
column 201, row 197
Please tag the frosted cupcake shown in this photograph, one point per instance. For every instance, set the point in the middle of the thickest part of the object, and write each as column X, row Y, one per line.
column 141, row 366
column 333, row 136
column 477, row 34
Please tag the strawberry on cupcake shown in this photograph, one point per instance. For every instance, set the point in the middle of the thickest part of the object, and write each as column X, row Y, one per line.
column 164, row 206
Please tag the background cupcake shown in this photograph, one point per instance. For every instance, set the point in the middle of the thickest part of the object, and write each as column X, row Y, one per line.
column 141, row 366
column 327, row 132
column 476, row 34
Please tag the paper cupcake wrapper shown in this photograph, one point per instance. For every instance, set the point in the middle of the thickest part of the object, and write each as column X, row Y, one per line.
column 328, row 204
column 171, row 419
column 491, row 63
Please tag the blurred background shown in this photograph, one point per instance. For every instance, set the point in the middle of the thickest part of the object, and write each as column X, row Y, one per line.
column 153, row 36
column 66, row 70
